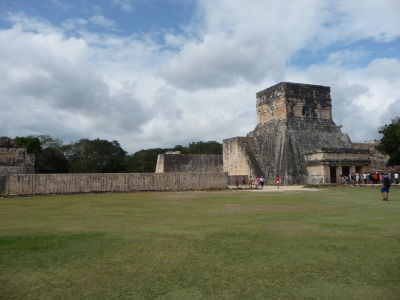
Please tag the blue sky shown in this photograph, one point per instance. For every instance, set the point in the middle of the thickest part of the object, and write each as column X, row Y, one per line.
column 130, row 17
column 159, row 73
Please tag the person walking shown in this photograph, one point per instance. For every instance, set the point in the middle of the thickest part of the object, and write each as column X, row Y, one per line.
column 277, row 181
column 262, row 181
column 257, row 182
column 385, row 188
column 250, row 183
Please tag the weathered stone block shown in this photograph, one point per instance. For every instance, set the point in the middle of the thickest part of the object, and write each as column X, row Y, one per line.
column 14, row 158
column 293, row 121
column 34, row 184
column 175, row 162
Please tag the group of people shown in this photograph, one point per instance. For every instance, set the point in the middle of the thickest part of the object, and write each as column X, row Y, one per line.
column 385, row 179
column 256, row 182
column 369, row 178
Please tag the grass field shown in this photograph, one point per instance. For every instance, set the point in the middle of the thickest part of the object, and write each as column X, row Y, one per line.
column 329, row 244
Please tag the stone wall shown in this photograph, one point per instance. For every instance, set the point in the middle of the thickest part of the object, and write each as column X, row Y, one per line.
column 38, row 184
column 14, row 159
column 232, row 179
column 318, row 174
column 238, row 157
column 288, row 100
column 175, row 162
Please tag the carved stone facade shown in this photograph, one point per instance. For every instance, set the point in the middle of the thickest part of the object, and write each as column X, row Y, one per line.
column 14, row 158
column 295, row 138
column 378, row 160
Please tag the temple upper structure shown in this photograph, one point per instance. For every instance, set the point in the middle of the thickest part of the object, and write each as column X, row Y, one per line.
column 295, row 138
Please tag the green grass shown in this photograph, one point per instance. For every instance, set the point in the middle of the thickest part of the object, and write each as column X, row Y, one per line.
column 329, row 244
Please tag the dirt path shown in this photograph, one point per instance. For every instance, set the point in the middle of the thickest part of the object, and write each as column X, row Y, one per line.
column 273, row 188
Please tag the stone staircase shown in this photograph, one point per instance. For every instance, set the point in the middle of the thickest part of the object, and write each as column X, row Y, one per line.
column 250, row 147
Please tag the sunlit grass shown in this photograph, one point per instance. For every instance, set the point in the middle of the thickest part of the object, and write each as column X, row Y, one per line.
column 329, row 244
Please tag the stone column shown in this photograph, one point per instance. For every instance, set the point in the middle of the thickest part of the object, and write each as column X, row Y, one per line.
column 338, row 172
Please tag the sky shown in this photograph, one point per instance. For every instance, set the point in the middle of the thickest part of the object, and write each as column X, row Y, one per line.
column 160, row 73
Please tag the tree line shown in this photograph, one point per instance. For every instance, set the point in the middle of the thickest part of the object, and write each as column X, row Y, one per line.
column 100, row 156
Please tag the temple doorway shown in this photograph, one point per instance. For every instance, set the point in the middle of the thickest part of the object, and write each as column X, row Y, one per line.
column 345, row 170
column 333, row 174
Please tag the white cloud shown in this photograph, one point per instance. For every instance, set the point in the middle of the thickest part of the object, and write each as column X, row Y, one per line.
column 124, row 5
column 103, row 21
column 368, row 18
column 363, row 99
column 50, row 82
column 74, row 24
column 253, row 40
column 195, row 85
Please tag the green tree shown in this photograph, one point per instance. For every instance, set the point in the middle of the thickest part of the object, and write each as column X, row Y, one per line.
column 49, row 156
column 390, row 142
column 51, row 160
column 49, row 142
column 95, row 156
column 32, row 143
column 210, row 147
column 144, row 161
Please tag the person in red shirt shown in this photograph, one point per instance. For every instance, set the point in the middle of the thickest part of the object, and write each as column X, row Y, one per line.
column 277, row 181
column 376, row 177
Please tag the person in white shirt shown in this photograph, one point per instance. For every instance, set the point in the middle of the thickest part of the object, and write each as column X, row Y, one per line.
column 364, row 175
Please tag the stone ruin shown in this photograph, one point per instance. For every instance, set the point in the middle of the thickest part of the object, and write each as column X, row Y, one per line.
column 174, row 161
column 14, row 158
column 295, row 138
column 379, row 160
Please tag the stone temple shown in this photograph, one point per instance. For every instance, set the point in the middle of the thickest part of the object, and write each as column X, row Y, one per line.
column 14, row 158
column 295, row 138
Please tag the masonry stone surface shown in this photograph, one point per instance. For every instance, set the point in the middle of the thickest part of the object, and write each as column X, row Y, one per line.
column 38, row 184
column 378, row 160
column 176, row 162
column 295, row 138
column 14, row 158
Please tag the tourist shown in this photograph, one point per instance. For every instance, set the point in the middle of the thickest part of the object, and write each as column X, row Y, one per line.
column 376, row 177
column 262, row 181
column 250, row 182
column 396, row 177
column 342, row 181
column 364, row 175
column 244, row 180
column 385, row 188
column 277, row 181
column 257, row 182
column 347, row 180
column 352, row 179
column 237, row 182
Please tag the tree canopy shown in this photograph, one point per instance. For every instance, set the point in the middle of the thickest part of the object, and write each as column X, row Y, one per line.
column 48, row 151
column 32, row 143
column 100, row 156
column 390, row 142
column 95, row 156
